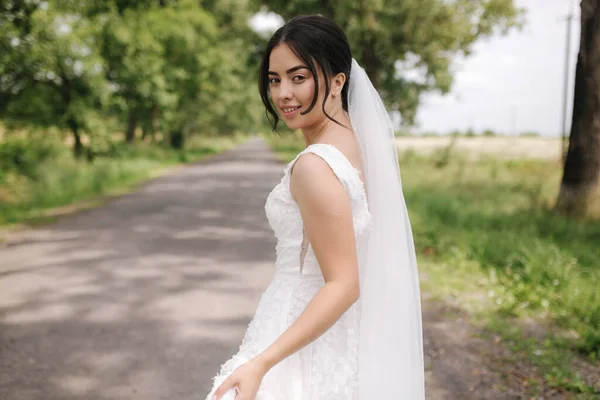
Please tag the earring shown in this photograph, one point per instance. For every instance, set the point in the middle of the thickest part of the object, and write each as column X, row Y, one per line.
column 333, row 95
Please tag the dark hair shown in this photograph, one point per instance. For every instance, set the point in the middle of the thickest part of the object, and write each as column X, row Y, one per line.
column 314, row 40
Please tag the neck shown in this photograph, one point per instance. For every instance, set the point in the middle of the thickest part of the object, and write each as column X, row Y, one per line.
column 315, row 133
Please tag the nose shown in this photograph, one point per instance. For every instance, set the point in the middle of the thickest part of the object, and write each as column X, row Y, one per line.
column 285, row 90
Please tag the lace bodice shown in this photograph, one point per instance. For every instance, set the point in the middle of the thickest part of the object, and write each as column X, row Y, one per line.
column 285, row 219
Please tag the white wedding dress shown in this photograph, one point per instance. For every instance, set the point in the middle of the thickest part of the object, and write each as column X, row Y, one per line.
column 328, row 367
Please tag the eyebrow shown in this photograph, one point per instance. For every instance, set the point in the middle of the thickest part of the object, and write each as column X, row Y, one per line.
column 289, row 71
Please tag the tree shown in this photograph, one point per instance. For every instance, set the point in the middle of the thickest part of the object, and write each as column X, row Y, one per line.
column 151, row 55
column 582, row 165
column 390, row 36
column 52, row 74
column 182, row 66
column 239, row 106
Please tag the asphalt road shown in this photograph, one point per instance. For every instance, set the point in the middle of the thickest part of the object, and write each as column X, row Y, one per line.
column 142, row 298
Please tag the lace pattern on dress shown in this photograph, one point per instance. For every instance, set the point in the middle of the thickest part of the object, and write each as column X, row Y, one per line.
column 327, row 368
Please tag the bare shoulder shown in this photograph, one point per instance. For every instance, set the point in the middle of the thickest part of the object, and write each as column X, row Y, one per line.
column 309, row 166
column 312, row 175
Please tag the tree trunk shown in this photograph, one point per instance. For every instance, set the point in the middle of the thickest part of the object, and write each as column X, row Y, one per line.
column 582, row 166
column 177, row 139
column 154, row 122
column 371, row 64
column 150, row 124
column 131, row 125
column 77, row 145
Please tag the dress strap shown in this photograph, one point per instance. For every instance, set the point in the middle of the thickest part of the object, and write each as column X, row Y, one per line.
column 339, row 164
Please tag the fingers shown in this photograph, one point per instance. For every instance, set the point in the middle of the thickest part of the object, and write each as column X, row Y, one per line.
column 223, row 388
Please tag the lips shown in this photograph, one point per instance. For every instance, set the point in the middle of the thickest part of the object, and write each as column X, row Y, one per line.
column 289, row 110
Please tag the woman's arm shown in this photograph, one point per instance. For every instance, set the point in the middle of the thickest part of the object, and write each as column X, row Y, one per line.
column 327, row 216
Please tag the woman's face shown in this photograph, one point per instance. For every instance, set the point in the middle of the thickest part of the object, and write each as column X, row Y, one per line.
column 292, row 88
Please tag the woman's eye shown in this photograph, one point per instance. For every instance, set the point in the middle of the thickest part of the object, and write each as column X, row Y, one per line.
column 297, row 78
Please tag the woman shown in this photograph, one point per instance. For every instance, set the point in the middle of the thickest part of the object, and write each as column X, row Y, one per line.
column 341, row 319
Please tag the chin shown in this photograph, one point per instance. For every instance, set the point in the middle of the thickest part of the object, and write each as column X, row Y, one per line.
column 292, row 125
column 297, row 123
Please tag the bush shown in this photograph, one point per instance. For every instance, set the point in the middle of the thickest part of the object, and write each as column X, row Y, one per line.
column 24, row 156
column 530, row 134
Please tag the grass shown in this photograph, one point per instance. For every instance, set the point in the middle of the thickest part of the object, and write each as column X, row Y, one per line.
column 61, row 184
column 488, row 242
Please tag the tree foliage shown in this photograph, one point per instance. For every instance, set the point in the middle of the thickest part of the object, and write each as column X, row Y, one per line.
column 391, row 37
column 52, row 72
column 176, row 67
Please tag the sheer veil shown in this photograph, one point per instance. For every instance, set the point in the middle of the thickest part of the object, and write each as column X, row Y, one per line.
column 391, row 340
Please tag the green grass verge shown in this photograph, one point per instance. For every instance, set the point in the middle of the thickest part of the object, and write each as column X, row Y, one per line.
column 62, row 184
column 488, row 242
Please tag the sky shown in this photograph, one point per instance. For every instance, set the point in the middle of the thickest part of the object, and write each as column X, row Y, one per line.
column 510, row 84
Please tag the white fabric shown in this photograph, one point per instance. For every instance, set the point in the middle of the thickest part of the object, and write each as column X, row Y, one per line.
column 326, row 369
column 375, row 350
column 391, row 345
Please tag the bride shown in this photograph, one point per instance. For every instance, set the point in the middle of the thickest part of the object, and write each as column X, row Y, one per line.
column 341, row 319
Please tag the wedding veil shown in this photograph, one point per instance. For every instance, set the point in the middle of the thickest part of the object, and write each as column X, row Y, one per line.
column 391, row 341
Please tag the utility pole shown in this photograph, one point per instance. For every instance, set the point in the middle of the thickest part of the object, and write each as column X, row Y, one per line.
column 563, row 144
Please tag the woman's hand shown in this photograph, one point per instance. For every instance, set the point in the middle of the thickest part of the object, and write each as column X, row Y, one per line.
column 246, row 379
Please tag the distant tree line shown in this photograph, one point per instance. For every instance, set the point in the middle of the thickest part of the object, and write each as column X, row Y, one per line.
column 174, row 68
column 171, row 68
